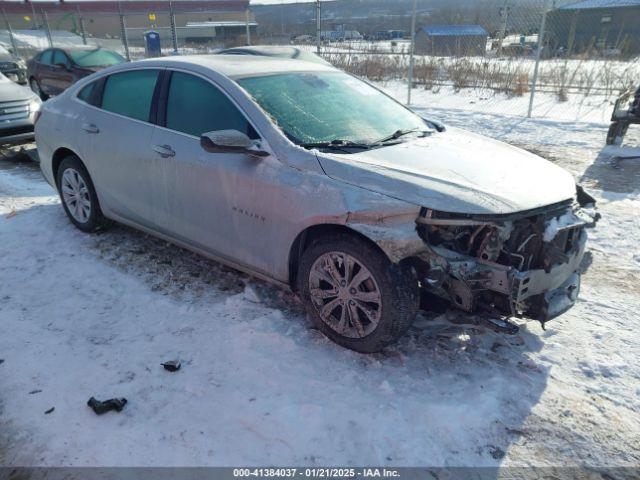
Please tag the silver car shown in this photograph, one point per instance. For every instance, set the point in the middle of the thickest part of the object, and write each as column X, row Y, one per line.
column 311, row 178
column 19, row 107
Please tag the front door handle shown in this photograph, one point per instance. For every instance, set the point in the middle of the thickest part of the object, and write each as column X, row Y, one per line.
column 90, row 128
column 165, row 151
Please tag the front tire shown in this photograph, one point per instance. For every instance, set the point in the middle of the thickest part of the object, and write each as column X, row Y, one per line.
column 78, row 196
column 355, row 295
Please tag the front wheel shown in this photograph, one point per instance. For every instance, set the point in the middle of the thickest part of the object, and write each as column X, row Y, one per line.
column 355, row 295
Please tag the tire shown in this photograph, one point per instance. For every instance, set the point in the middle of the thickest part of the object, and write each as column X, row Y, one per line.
column 372, row 276
column 35, row 88
column 78, row 196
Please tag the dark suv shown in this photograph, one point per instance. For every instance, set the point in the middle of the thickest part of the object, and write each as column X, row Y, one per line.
column 52, row 71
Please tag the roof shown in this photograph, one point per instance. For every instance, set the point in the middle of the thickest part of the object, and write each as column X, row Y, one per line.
column 237, row 66
column 131, row 6
column 591, row 4
column 454, row 30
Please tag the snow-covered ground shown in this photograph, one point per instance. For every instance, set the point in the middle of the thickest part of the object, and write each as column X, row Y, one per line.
column 95, row 315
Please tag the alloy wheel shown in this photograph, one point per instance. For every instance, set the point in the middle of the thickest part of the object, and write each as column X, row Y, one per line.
column 345, row 294
column 76, row 195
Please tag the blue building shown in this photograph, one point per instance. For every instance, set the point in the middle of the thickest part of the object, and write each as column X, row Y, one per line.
column 452, row 40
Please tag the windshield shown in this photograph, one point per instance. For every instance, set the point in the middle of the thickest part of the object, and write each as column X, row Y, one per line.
column 322, row 107
column 95, row 58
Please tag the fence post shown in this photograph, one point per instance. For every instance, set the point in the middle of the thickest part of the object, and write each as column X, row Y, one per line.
column 174, row 33
column 541, row 34
column 412, row 50
column 246, row 20
column 123, row 33
column 45, row 21
column 83, row 32
column 318, row 28
column 14, row 46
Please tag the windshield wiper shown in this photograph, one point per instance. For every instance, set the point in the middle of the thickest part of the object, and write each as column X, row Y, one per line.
column 400, row 133
column 337, row 144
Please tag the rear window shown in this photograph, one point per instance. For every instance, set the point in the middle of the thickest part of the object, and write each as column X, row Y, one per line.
column 130, row 93
column 86, row 94
column 95, row 58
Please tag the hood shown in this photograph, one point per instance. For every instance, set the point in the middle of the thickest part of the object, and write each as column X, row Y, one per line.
column 11, row 91
column 455, row 171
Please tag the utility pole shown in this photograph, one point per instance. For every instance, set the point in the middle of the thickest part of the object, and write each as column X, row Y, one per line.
column 318, row 28
column 412, row 51
column 543, row 27
column 83, row 31
column 174, row 33
column 246, row 18
column 504, row 16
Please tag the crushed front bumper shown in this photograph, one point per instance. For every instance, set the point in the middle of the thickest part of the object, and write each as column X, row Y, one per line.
column 473, row 284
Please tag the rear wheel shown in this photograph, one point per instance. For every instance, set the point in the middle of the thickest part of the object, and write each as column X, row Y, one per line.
column 35, row 87
column 78, row 196
column 355, row 295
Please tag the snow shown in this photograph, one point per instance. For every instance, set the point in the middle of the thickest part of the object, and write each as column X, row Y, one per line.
column 96, row 315
column 556, row 224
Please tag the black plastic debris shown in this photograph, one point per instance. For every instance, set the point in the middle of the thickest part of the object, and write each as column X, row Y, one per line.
column 172, row 366
column 50, row 410
column 99, row 407
column 33, row 392
column 1, row 361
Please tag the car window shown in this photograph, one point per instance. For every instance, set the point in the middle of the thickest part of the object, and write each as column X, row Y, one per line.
column 60, row 58
column 327, row 106
column 45, row 57
column 130, row 93
column 194, row 106
column 96, row 58
column 86, row 93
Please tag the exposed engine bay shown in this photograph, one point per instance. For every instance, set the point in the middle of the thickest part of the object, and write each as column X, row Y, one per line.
column 523, row 265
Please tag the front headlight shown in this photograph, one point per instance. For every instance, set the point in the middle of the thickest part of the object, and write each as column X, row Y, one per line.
column 34, row 105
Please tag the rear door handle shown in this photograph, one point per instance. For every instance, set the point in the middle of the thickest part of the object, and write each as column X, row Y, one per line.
column 165, row 151
column 90, row 128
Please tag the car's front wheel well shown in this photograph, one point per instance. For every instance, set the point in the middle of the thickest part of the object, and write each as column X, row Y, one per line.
column 313, row 233
column 59, row 155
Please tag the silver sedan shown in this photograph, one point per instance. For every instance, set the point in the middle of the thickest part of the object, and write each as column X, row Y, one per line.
column 311, row 178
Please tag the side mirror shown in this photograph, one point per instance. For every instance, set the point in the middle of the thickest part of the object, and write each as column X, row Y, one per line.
column 230, row 141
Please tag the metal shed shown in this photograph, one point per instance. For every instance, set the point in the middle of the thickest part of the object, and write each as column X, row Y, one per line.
column 604, row 26
column 452, row 40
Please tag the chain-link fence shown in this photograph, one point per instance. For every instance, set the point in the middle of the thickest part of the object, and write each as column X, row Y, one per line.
column 542, row 58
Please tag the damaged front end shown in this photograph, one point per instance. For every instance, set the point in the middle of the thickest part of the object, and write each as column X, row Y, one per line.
column 523, row 265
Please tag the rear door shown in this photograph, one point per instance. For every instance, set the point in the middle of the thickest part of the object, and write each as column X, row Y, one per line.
column 116, row 137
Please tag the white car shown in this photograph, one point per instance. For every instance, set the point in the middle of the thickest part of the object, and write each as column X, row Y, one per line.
column 311, row 178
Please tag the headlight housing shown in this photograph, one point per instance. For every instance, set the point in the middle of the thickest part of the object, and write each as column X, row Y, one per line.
column 34, row 105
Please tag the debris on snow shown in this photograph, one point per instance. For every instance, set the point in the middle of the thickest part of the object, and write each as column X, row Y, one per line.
column 33, row 392
column 50, row 411
column 172, row 365
column 99, row 407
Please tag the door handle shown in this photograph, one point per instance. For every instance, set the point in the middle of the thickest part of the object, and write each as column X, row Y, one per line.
column 90, row 128
column 165, row 151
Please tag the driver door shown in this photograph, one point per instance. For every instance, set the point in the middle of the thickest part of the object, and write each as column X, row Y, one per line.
column 208, row 200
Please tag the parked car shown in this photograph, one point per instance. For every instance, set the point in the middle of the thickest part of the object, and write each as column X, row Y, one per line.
column 311, row 178
column 11, row 67
column 18, row 109
column 55, row 69
column 275, row 51
column 626, row 112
